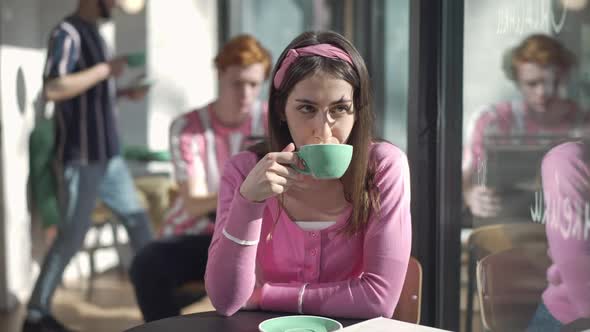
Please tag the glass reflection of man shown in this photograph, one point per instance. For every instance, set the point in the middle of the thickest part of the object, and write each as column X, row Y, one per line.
column 539, row 66
column 79, row 77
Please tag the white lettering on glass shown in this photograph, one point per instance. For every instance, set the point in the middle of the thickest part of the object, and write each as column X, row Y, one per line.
column 522, row 16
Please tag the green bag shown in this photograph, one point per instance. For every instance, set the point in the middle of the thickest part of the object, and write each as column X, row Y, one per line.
column 42, row 177
column 142, row 153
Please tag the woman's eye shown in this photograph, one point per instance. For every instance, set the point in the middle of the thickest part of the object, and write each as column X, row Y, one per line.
column 340, row 109
column 307, row 109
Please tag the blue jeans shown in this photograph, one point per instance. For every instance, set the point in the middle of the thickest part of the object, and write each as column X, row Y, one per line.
column 543, row 321
column 82, row 184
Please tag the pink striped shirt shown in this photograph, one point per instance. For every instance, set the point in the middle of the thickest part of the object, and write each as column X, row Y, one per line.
column 200, row 146
column 315, row 272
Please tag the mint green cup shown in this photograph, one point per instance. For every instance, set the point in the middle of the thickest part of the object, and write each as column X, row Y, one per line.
column 136, row 59
column 325, row 161
column 299, row 324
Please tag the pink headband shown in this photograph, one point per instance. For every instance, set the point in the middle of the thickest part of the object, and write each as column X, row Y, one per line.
column 325, row 50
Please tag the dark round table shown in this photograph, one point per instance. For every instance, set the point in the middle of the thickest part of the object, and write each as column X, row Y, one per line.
column 242, row 321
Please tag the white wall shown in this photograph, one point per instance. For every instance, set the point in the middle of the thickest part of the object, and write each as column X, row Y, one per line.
column 15, row 131
column 131, row 36
column 23, row 34
column 181, row 44
column 20, row 59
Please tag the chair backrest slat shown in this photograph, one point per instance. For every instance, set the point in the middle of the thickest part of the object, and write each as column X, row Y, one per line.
column 408, row 306
column 510, row 284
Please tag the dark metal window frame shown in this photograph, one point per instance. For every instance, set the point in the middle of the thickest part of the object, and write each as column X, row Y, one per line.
column 369, row 39
column 4, row 292
column 434, row 151
column 222, row 22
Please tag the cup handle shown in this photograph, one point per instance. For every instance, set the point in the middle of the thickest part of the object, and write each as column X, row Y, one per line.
column 304, row 170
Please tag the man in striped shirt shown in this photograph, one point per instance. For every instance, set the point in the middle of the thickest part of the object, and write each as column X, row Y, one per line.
column 201, row 141
column 79, row 78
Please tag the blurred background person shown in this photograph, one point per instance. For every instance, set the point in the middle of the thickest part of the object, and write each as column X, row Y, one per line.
column 79, row 78
column 201, row 141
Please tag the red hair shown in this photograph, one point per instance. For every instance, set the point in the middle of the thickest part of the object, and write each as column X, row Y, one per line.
column 542, row 50
column 243, row 50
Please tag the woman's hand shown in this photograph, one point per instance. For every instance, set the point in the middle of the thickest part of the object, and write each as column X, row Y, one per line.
column 254, row 300
column 271, row 176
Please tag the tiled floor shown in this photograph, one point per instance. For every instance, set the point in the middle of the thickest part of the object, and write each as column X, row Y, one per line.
column 111, row 308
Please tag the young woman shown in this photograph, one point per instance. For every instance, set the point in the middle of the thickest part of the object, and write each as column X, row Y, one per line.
column 287, row 242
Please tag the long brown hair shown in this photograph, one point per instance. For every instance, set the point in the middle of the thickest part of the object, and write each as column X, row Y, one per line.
column 359, row 180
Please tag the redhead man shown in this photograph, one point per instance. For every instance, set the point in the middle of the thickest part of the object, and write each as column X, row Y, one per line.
column 201, row 141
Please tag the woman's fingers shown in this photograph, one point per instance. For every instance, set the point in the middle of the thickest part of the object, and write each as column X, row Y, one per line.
column 289, row 158
column 289, row 148
column 286, row 156
column 274, row 178
column 272, row 175
column 284, row 171
column 277, row 189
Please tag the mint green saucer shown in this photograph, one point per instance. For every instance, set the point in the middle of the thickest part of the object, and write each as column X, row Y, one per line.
column 299, row 324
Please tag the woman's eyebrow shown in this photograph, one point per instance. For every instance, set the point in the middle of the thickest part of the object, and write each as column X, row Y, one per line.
column 342, row 100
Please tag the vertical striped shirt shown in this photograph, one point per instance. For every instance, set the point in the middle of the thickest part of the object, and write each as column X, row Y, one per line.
column 200, row 146
column 85, row 125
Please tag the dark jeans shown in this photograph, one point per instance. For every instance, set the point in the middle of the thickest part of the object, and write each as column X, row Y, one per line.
column 161, row 267
column 543, row 321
